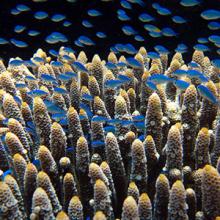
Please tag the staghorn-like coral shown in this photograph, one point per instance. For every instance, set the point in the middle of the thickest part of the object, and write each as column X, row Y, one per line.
column 75, row 209
column 42, row 121
column 144, row 207
column 8, row 204
column 139, row 165
column 153, row 120
column 210, row 192
column 177, row 207
column 130, row 209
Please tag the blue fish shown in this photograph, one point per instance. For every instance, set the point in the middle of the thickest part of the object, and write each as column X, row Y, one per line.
column 109, row 128
column 101, row 34
column 214, row 25
column 139, row 38
column 56, row 37
column 48, row 78
column 58, row 17
column 7, row 172
column 60, row 90
column 67, row 23
column 18, row 100
column 161, row 49
column 124, row 78
column 80, row 67
column 86, row 40
column 87, row 109
column 216, row 63
column 111, row 66
column 178, row 19
column 14, row 11
column 87, row 97
column 125, row 4
column 179, row 72
column 99, row 119
column 58, row 116
column 144, row 17
column 37, row 92
column 138, row 118
column 30, row 78
column 201, row 47
column 36, row 163
column 53, row 53
column 114, row 121
column 163, row 11
column 94, row 13
column 214, row 38
column 134, row 63
column 98, row 143
column 16, row 62
column 181, row 84
column 3, row 41
column 153, row 55
column 87, row 24
column 159, row 79
column 56, row 64
column 123, row 17
column 33, row 33
column 63, row 122
column 71, row 74
column 18, row 43
column 40, row 15
column 202, row 40
column 19, row 28
column 121, row 64
column 22, row 8
column 189, row 3
column 113, row 83
column 130, row 49
column 53, row 108
column 128, row 30
column 207, row 94
column 20, row 85
column 210, row 14
column 139, row 125
column 125, row 123
column 151, row 85
column 64, row 77
column 168, row 32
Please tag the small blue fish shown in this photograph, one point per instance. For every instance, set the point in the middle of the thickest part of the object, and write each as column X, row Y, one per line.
column 20, row 85
column 98, row 143
column 63, row 122
column 216, row 63
column 22, row 8
column 56, row 64
column 207, row 94
column 53, row 53
column 53, row 108
column 3, row 41
column 113, row 121
column 33, row 33
column 125, row 4
column 18, row 43
column 14, row 11
column 87, row 97
column 179, row 72
column 48, row 78
column 58, row 17
column 151, row 28
column 159, row 79
column 94, row 13
column 87, row 24
column 101, row 34
column 141, row 137
column 60, row 90
column 130, row 49
column 210, row 14
column 70, row 149
column 38, row 59
column 123, row 17
column 138, row 118
column 64, row 77
column 18, row 100
column 151, row 85
column 155, row 34
column 58, row 116
column 128, row 30
column 16, row 62
column 140, row 125
column 86, row 40
column 56, row 37
column 7, row 172
column 67, row 23
column 36, row 163
column 214, row 39
column 134, row 63
column 139, row 38
column 30, row 78
column 178, row 19
column 87, row 109
column 37, row 92
column 109, row 128
column 71, row 74
column 19, row 28
column 113, row 83
column 99, row 119
column 201, row 47
column 153, row 55
column 163, row 11
column 124, row 78
column 121, row 64
column 181, row 84
column 80, row 67
column 214, row 25
column 161, row 49
column 125, row 123
column 189, row 3
column 144, row 17
column 40, row 15
column 168, row 32
column 202, row 40
column 111, row 66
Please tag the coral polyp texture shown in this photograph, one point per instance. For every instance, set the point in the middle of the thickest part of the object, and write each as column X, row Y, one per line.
column 133, row 138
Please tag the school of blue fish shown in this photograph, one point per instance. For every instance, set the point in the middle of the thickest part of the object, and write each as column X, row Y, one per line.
column 131, row 136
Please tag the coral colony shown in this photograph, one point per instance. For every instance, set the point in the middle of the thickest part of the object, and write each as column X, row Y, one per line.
column 135, row 138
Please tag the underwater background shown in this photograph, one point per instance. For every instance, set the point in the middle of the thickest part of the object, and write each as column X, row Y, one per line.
column 110, row 109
